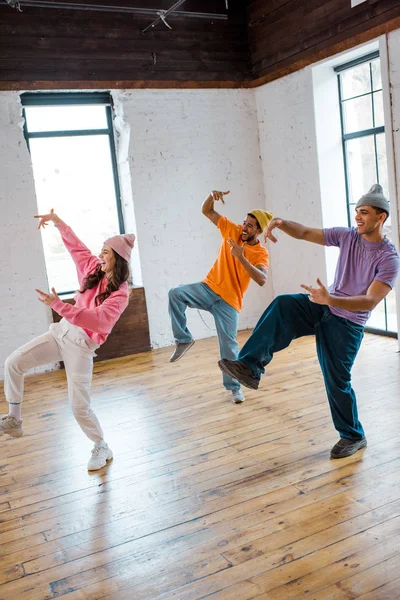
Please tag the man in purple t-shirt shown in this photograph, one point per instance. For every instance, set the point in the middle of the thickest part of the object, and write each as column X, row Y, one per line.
column 366, row 271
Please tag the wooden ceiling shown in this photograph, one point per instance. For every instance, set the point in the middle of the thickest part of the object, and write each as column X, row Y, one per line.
column 55, row 48
column 58, row 45
column 286, row 35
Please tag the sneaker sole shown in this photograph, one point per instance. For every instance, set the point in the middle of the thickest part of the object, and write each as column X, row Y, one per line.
column 14, row 434
column 243, row 381
column 237, row 401
column 102, row 466
column 172, row 360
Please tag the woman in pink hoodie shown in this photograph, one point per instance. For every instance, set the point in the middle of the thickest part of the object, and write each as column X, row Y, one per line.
column 102, row 298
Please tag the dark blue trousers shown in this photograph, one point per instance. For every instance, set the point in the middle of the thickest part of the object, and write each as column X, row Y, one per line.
column 338, row 340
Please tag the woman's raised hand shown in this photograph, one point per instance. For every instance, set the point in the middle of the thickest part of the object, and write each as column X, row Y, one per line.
column 44, row 219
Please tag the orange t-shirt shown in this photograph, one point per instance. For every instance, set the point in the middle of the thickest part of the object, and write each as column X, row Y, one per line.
column 227, row 277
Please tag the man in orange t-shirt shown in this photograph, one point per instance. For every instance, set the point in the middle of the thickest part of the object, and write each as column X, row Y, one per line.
column 240, row 259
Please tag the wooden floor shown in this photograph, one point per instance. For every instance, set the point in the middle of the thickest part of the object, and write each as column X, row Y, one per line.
column 204, row 498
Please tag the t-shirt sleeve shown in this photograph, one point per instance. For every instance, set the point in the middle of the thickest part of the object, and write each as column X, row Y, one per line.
column 335, row 235
column 227, row 228
column 388, row 270
column 262, row 260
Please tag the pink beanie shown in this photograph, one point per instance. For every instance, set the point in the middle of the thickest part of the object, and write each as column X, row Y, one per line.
column 122, row 244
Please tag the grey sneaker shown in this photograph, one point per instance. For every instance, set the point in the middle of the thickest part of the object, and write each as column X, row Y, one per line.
column 10, row 426
column 240, row 371
column 180, row 350
column 345, row 447
column 100, row 456
column 237, row 396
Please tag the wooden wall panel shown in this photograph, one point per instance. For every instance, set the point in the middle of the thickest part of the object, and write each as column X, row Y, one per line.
column 131, row 333
column 286, row 35
column 60, row 46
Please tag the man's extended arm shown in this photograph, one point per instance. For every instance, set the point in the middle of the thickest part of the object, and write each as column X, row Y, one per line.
column 375, row 293
column 295, row 230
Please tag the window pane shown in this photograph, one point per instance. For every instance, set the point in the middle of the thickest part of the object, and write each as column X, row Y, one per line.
column 382, row 163
column 361, row 166
column 391, row 311
column 356, row 81
column 74, row 176
column 65, row 118
column 357, row 114
column 377, row 318
column 376, row 74
column 378, row 109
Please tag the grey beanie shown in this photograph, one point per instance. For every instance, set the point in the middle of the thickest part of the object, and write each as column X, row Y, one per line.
column 374, row 197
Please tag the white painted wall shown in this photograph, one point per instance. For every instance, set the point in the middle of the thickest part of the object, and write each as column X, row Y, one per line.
column 122, row 133
column 392, row 106
column 291, row 180
column 182, row 145
column 22, row 316
column 393, row 60
column 329, row 145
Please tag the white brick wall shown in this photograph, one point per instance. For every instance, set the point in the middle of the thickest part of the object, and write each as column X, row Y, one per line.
column 291, row 181
column 22, row 316
column 182, row 145
column 393, row 50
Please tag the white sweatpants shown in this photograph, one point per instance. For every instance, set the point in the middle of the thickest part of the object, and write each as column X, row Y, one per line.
column 70, row 344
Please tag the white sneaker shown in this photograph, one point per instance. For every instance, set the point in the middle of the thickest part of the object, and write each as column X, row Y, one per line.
column 10, row 426
column 100, row 455
column 237, row 396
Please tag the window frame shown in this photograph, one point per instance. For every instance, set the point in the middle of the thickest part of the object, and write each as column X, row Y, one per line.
column 43, row 99
column 373, row 131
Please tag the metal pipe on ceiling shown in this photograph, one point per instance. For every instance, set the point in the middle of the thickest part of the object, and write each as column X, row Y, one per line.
column 162, row 14
column 118, row 9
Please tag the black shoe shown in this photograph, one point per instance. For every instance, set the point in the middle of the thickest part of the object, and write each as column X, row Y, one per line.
column 180, row 350
column 347, row 447
column 240, row 371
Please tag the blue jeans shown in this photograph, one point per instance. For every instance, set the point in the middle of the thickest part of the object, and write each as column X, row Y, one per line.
column 338, row 340
column 199, row 295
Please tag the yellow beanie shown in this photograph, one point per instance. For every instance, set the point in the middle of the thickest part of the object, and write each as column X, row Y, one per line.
column 263, row 217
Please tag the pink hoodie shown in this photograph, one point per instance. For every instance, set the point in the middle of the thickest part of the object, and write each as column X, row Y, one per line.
column 96, row 321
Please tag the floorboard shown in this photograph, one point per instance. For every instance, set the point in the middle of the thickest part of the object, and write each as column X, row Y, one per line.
column 204, row 498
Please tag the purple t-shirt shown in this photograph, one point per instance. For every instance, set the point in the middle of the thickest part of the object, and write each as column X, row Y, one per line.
column 360, row 263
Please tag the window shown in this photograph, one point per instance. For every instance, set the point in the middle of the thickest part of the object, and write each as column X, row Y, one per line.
column 364, row 151
column 70, row 138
